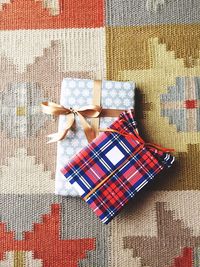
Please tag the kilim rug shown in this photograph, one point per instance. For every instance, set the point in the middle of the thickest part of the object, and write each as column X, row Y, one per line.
column 157, row 45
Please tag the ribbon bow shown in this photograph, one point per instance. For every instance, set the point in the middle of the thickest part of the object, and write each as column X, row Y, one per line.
column 90, row 111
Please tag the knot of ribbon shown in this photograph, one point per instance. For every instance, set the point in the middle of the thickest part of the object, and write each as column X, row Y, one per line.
column 90, row 111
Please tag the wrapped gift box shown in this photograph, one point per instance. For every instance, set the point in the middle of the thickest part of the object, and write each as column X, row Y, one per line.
column 77, row 93
column 114, row 167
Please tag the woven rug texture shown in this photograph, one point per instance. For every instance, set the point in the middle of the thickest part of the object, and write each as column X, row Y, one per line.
column 157, row 45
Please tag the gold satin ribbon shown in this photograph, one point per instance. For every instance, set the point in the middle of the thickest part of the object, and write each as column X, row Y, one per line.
column 90, row 111
column 96, row 100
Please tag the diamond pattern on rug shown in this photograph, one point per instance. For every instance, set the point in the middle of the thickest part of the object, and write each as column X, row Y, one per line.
column 20, row 112
column 49, row 84
column 165, row 69
column 182, row 104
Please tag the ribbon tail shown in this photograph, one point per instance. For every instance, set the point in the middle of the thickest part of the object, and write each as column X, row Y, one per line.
column 163, row 149
column 90, row 134
column 88, row 130
column 61, row 135
column 55, row 137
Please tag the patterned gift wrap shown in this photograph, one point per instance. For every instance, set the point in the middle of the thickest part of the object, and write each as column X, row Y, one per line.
column 114, row 167
column 44, row 41
column 78, row 93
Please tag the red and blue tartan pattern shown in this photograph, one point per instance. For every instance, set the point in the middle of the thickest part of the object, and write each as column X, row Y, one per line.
column 136, row 165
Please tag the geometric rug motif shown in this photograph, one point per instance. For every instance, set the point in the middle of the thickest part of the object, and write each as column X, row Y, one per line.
column 20, row 258
column 36, row 14
column 153, row 82
column 185, row 174
column 176, row 236
column 187, row 258
column 156, row 229
column 55, row 251
column 134, row 13
column 20, row 112
column 48, row 84
column 84, row 247
column 76, row 212
column 70, row 40
column 43, row 41
column 18, row 173
column 52, row 5
column 182, row 104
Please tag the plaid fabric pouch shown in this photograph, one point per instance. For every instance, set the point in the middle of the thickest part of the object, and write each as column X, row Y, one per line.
column 115, row 166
